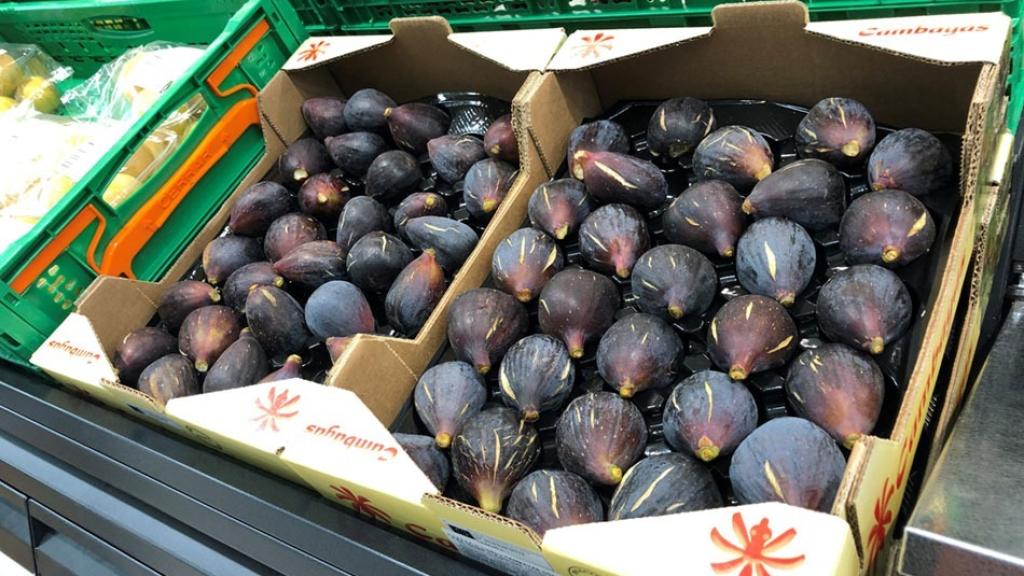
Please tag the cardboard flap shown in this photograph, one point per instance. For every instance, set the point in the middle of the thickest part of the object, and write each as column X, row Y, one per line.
column 533, row 48
column 319, row 50
column 588, row 48
column 136, row 304
column 74, row 354
column 760, row 14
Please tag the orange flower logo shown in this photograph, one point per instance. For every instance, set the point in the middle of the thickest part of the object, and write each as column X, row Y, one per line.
column 360, row 504
column 592, row 46
column 274, row 410
column 313, row 51
column 752, row 551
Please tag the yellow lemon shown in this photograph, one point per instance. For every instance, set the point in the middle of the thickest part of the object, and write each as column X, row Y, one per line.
column 120, row 189
column 7, row 103
column 10, row 75
column 41, row 93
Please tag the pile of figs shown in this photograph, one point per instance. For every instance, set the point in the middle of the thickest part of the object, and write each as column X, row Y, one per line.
column 358, row 229
column 697, row 315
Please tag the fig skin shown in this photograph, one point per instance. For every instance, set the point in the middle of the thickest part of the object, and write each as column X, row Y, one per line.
column 839, row 389
column 242, row 364
column 613, row 177
column 599, row 436
column 577, row 306
column 289, row 232
column 139, row 349
column 638, row 352
column 612, row 239
column 302, row 159
column 664, row 484
column 678, row 125
column 376, row 260
column 325, row 116
column 776, row 258
column 365, row 109
column 707, row 216
column 735, row 154
column 911, row 160
column 277, row 321
column 392, row 176
column 536, row 375
column 559, row 207
column 336, row 346
column 414, row 294
column 451, row 240
column 597, row 136
column 292, row 368
column 865, row 306
column 524, row 261
column 417, row 205
column 224, row 255
column 888, row 227
column 237, row 286
column 427, row 457
column 810, row 192
column 482, row 324
column 452, row 156
column 414, row 124
column 549, row 499
column 494, row 450
column 181, row 298
column 361, row 216
column 353, row 153
column 206, row 334
column 500, row 140
column 788, row 460
column 840, row 131
column 446, row 396
column 751, row 334
column 708, row 415
column 324, row 195
column 312, row 264
column 338, row 309
column 169, row 377
column 486, row 185
column 672, row 281
column 258, row 207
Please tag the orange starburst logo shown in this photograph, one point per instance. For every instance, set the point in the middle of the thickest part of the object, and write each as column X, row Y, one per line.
column 591, row 46
column 360, row 504
column 313, row 51
column 752, row 551
column 274, row 409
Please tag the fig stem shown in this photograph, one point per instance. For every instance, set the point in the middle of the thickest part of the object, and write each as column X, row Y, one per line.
column 202, row 365
column 443, row 439
column 675, row 311
column 747, row 207
column 763, row 173
column 876, row 345
column 737, row 373
column 562, row 231
column 615, row 473
column 708, row 453
column 787, row 298
column 728, row 251
column 890, row 254
column 489, row 503
column 850, row 440
column 524, row 295
column 851, row 148
column 300, row 174
column 626, row 390
column 489, row 205
column 531, row 415
column 215, row 295
column 494, row 150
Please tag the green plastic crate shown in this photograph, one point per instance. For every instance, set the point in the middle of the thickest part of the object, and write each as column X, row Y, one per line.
column 82, row 236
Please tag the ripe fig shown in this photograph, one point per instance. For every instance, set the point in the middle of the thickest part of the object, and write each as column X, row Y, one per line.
column 597, row 136
column 415, row 292
column 613, row 237
column 735, row 154
column 911, row 160
column 452, row 156
column 678, row 125
column 482, row 324
column 302, row 159
column 664, row 484
column 707, row 216
column 837, row 388
column 787, row 460
column 354, row 152
column 276, row 320
column 775, row 258
column 226, row 254
column 548, row 499
column 365, row 110
column 181, row 298
column 638, row 352
column 392, row 176
column 494, row 450
column 289, row 232
column 414, row 124
column 451, row 240
column 425, row 454
column 500, row 140
column 809, row 192
column 577, row 306
column 313, row 263
column 485, row 186
column 325, row 116
column 169, row 377
column 336, row 346
column 242, row 364
column 376, row 260
column 751, row 334
column 257, row 207
column 672, row 281
column 708, row 415
column 615, row 177
column 139, row 349
column 599, row 436
column 446, row 396
column 524, row 262
column 237, row 286
column 324, row 195
column 361, row 216
column 889, row 227
column 536, row 376
column 559, row 207
column 292, row 368
column 416, row 205
column 865, row 306
column 206, row 334
column 338, row 309
column 839, row 130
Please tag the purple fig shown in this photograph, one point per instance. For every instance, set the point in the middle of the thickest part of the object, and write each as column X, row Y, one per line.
column 361, row 216
column 524, row 262
column 226, row 254
column 242, row 364
column 313, row 263
column 839, row 130
column 289, row 232
column 911, row 160
column 257, row 207
column 277, row 321
column 613, row 237
column 169, row 377
column 482, row 324
column 599, row 436
column 302, row 159
column 810, row 192
column 292, row 368
column 446, row 396
column 486, row 185
column 614, row 177
column 181, row 298
column 678, row 125
column 865, row 306
column 414, row 124
column 325, row 116
column 536, row 376
column 324, row 195
column 451, row 240
column 494, row 450
column 392, row 176
column 452, row 156
column 427, row 457
column 414, row 294
column 336, row 346
column 672, row 281
column 638, row 352
column 559, row 207
column 597, row 136
column 417, row 205
column 353, row 153
column 548, row 499
column 751, row 334
column 241, row 281
column 735, row 154
column 664, row 484
column 775, row 258
column 500, row 140
column 207, row 333
column 889, row 227
column 707, row 216
column 339, row 309
column 577, row 306
column 365, row 110
column 139, row 349
column 708, row 415
column 376, row 260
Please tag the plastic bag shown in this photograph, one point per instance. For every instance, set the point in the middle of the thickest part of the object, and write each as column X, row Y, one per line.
column 29, row 78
